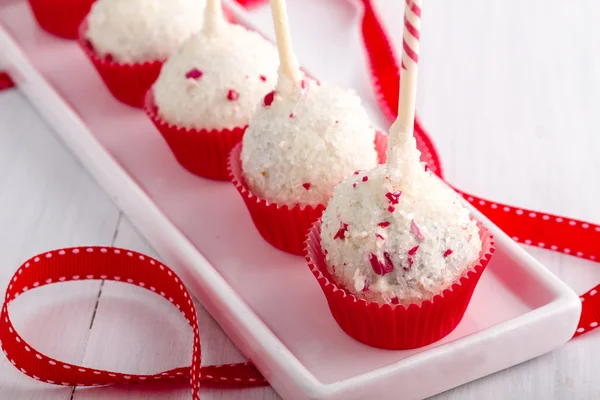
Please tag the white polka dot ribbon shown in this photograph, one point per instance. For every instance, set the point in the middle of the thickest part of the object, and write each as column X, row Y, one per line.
column 105, row 263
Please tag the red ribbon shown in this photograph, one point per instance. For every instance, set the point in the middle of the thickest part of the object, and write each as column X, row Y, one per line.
column 119, row 265
column 572, row 237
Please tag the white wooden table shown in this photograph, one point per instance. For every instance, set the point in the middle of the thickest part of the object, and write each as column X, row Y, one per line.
column 510, row 91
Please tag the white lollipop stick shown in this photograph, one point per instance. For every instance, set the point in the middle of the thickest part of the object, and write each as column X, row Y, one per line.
column 288, row 64
column 402, row 148
column 213, row 15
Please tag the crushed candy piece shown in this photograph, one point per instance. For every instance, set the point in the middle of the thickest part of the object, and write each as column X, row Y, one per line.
column 194, row 73
column 292, row 115
column 378, row 267
column 413, row 251
column 341, row 233
column 389, row 265
column 393, row 197
column 269, row 98
column 306, row 185
column 384, row 224
column 416, row 230
column 263, row 78
column 391, row 208
column 395, row 301
column 447, row 253
column 367, row 284
column 232, row 95
column 365, row 178
column 378, row 236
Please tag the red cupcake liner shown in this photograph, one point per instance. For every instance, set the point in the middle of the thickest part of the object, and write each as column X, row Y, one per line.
column 60, row 17
column 202, row 152
column 128, row 83
column 283, row 227
column 396, row 327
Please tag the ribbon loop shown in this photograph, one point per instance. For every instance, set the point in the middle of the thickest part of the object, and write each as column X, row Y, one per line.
column 119, row 265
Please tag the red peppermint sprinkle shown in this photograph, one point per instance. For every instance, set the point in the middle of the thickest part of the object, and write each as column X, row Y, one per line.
column 393, row 197
column 378, row 236
column 391, row 208
column 194, row 73
column 427, row 168
column 395, row 301
column 341, row 233
column 389, row 265
column 412, row 251
column 354, row 185
column 366, row 287
column 410, row 262
column 306, row 185
column 416, row 230
column 269, row 98
column 447, row 253
column 292, row 115
column 232, row 95
column 365, row 178
column 375, row 264
column 263, row 78
column 337, row 122
column 303, row 84
column 384, row 224
column 356, row 172
column 378, row 267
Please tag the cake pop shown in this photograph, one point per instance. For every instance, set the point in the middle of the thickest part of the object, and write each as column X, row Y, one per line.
column 304, row 138
column 396, row 252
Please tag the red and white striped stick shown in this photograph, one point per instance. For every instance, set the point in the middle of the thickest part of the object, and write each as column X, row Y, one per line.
column 402, row 148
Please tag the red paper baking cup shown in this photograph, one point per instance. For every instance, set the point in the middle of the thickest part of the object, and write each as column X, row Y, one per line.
column 284, row 227
column 396, row 327
column 128, row 83
column 202, row 152
column 60, row 17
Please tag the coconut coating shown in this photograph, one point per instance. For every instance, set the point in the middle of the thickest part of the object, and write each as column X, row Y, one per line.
column 397, row 243
column 304, row 141
column 216, row 79
column 133, row 31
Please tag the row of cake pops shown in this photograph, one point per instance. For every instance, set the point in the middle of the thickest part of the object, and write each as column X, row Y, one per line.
column 395, row 252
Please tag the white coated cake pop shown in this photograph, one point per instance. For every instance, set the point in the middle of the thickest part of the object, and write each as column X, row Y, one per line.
column 142, row 30
column 216, row 79
column 303, row 141
column 305, row 137
column 396, row 234
column 397, row 242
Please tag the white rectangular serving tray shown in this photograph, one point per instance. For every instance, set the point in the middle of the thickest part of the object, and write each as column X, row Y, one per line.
column 267, row 301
